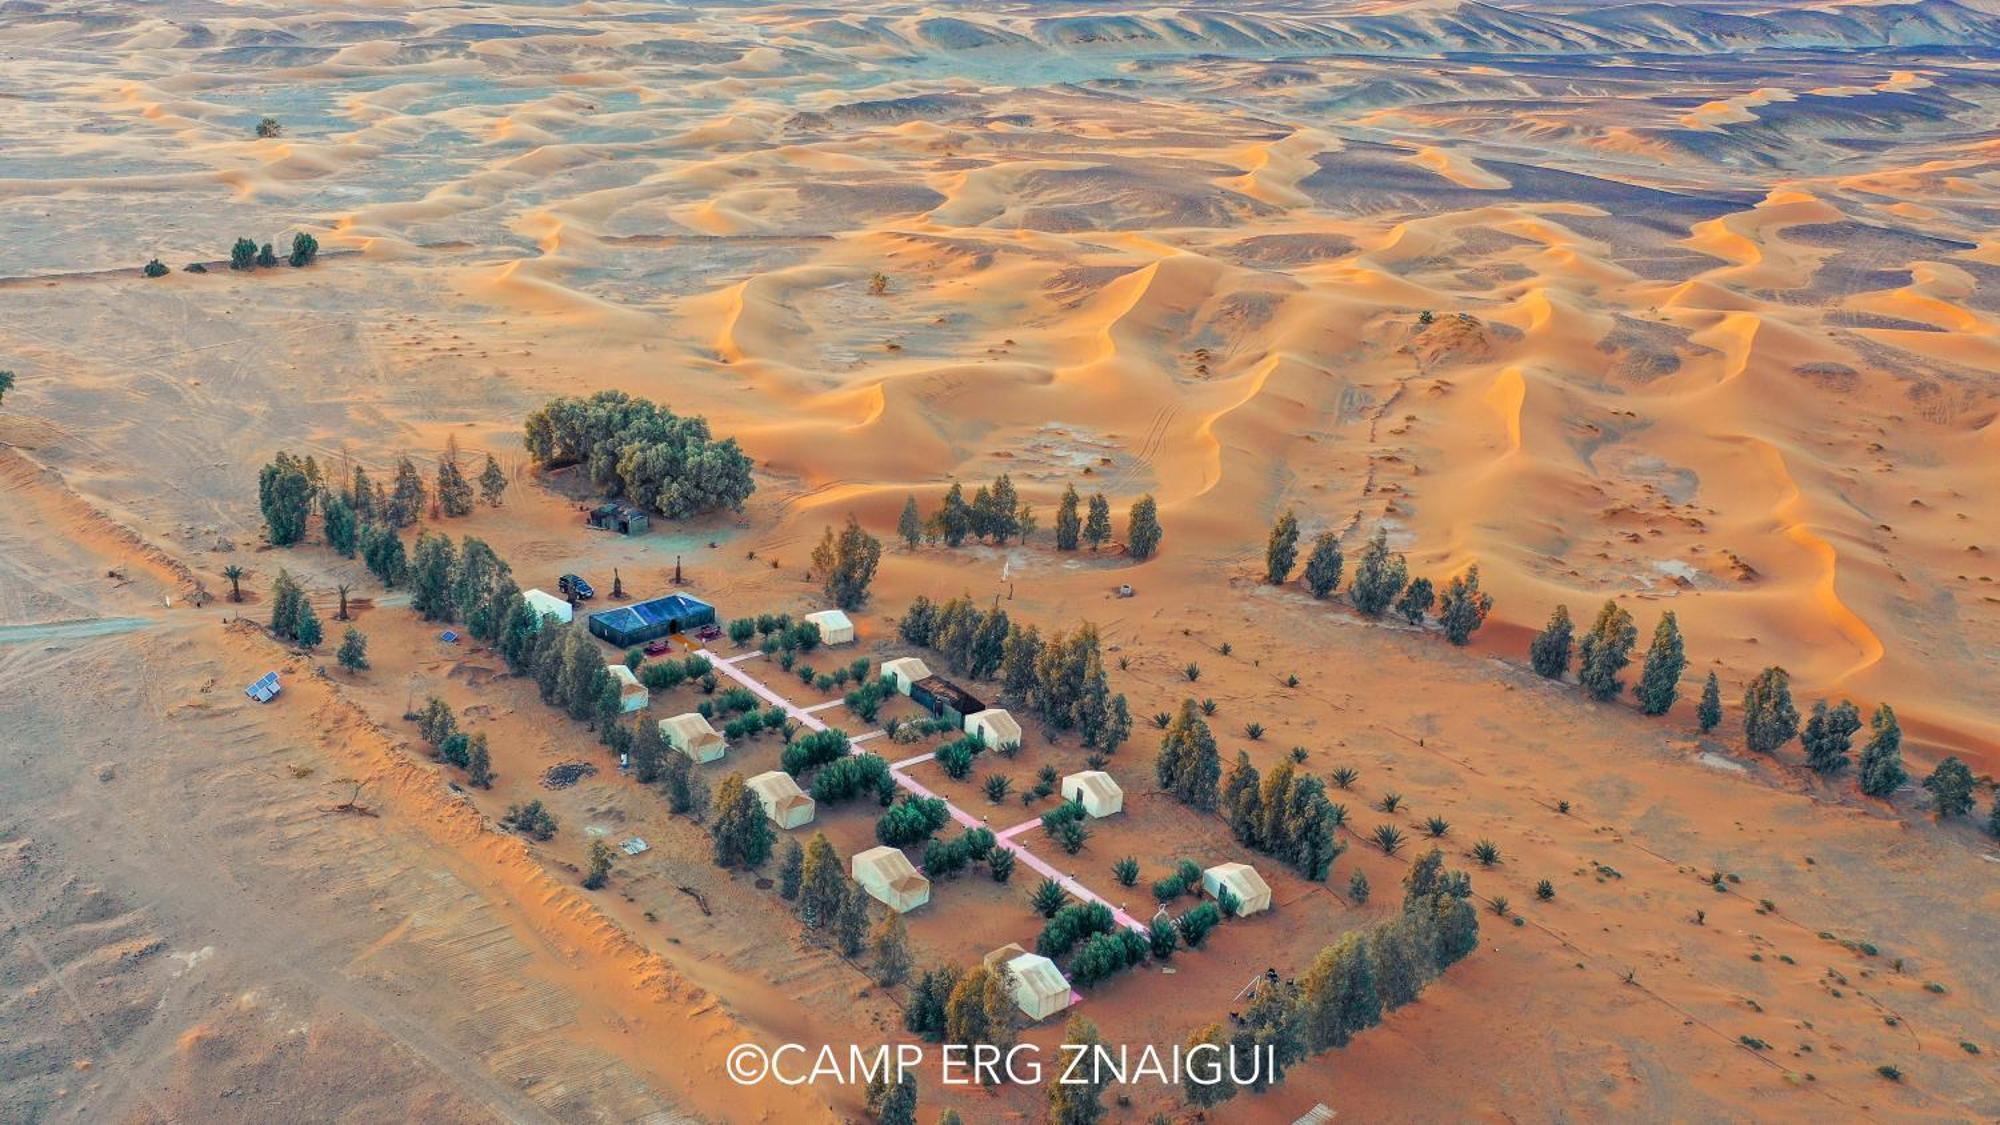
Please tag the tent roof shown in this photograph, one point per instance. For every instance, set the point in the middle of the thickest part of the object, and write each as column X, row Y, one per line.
column 1039, row 974
column 885, row 863
column 1241, row 875
column 1097, row 782
column 1002, row 723
column 784, row 793
column 908, row 666
column 624, row 676
column 830, row 618
column 691, row 725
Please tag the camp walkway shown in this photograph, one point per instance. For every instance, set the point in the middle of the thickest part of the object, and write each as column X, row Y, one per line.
column 805, row 717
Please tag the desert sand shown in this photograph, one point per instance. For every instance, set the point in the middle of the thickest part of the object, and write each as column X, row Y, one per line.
column 1712, row 327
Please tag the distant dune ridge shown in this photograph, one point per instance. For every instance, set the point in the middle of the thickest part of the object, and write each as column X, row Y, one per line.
column 1696, row 306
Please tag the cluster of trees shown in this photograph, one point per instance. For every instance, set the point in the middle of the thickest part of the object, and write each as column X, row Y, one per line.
column 1354, row 981
column 654, row 457
column 1604, row 653
column 1062, row 679
column 945, row 858
column 742, row 833
column 245, row 254
column 358, row 513
column 1188, row 765
column 438, row 726
column 292, row 616
column 846, row 563
column 912, row 820
column 1284, row 814
column 997, row 514
column 834, row 909
column 1381, row 580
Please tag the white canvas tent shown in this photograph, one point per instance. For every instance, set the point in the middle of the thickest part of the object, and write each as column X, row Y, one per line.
column 834, row 627
column 1038, row 987
column 1252, row 893
column 995, row 727
column 691, row 735
column 632, row 695
column 545, row 604
column 1095, row 791
column 886, row 873
column 905, row 671
column 784, row 802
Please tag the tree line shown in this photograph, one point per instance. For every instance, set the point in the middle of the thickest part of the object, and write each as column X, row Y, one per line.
column 653, row 457
column 1382, row 580
column 997, row 514
column 290, row 489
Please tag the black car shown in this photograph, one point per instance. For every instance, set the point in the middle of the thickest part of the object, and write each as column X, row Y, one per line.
column 575, row 588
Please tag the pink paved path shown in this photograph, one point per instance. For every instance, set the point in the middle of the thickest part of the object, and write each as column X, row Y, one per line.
column 1036, row 863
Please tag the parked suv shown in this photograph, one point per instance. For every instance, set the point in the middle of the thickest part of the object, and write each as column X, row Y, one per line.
column 573, row 586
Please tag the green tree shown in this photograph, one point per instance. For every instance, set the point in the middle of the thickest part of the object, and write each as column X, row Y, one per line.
column 454, row 492
column 406, row 499
column 952, row 522
column 1069, row 520
column 1951, row 785
column 284, row 493
column 910, row 525
column 980, row 1009
column 889, row 950
column 234, row 574
column 1282, row 549
column 337, row 522
column 243, row 255
column 1048, row 897
column 1338, row 996
column 1660, row 677
column 353, row 654
column 1882, row 758
column 431, row 567
column 1464, row 607
column 286, row 601
column 743, row 835
column 266, row 256
column 1080, row 1100
column 479, row 763
column 304, row 249
column 1205, row 1079
column 1709, row 714
column 850, row 926
column 1097, row 524
column 1416, row 601
column 822, row 886
column 1828, row 734
column 6, row 384
column 269, row 127
column 600, row 865
column 1378, row 577
column 856, row 554
column 899, row 1102
column 492, row 482
column 1549, row 652
column 1189, row 765
column 1605, row 652
column 1142, row 529
column 155, row 268
column 1323, row 565
column 791, row 869
column 1769, row 719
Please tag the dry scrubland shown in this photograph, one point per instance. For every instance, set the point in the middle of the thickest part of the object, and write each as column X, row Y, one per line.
column 1714, row 311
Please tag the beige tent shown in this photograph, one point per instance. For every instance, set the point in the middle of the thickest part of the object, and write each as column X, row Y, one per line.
column 691, row 735
column 545, row 604
column 834, row 627
column 905, row 671
column 632, row 695
column 1038, row 987
column 784, row 802
column 1095, row 791
column 995, row 727
column 1252, row 893
column 886, row 873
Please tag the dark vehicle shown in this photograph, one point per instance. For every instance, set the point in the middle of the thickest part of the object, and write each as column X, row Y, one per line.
column 574, row 587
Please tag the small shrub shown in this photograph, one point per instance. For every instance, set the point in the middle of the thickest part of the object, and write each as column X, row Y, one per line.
column 1486, row 853
column 1389, row 838
column 1436, row 827
column 1344, row 777
column 1162, row 720
column 1253, row 731
column 997, row 786
column 1126, row 871
column 1545, row 890
column 1390, row 802
column 1500, row 905
column 1208, row 707
column 1192, row 671
column 1299, row 755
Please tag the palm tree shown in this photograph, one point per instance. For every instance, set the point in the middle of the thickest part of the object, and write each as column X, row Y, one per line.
column 1388, row 838
column 235, row 575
